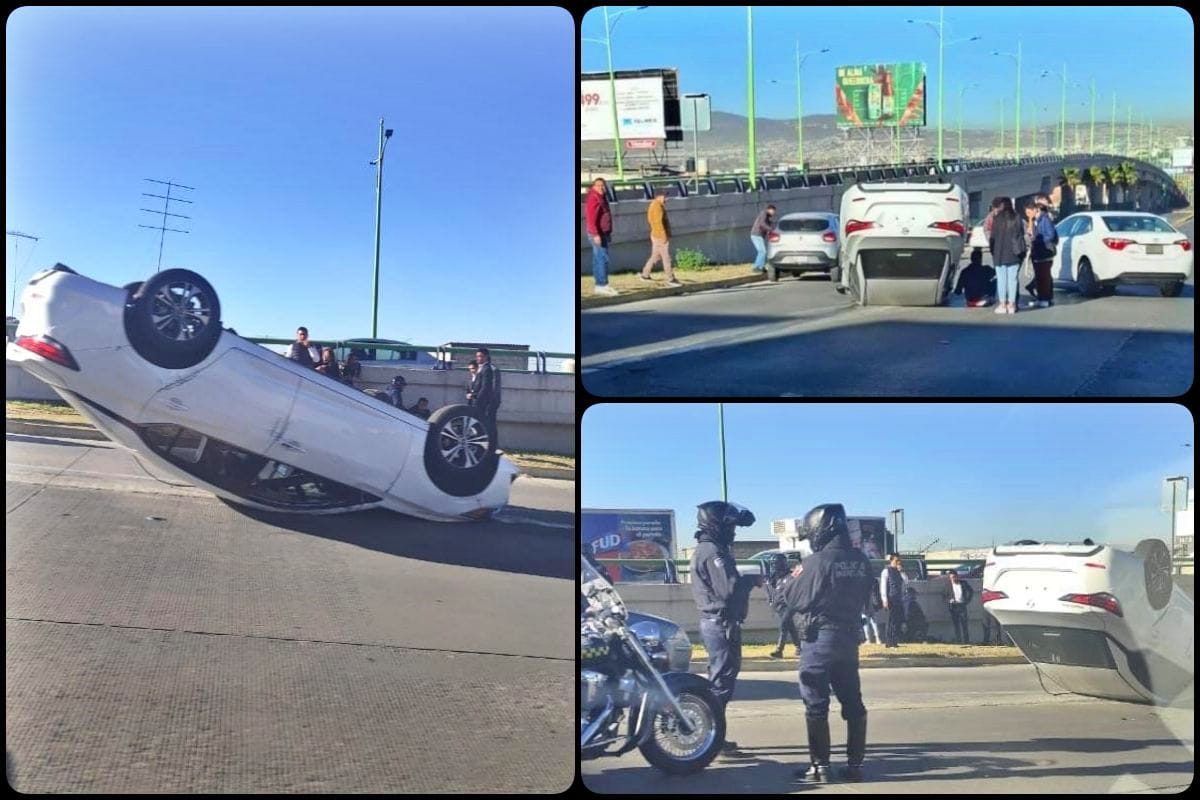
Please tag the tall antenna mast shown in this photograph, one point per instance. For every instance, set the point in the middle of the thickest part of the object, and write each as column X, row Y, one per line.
column 167, row 200
column 12, row 309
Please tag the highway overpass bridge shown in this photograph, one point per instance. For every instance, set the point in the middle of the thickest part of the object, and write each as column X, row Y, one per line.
column 713, row 215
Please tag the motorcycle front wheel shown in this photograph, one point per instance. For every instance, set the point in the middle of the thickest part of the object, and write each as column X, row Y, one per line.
column 670, row 749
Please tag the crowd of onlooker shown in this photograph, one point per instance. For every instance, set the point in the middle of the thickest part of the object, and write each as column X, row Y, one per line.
column 482, row 389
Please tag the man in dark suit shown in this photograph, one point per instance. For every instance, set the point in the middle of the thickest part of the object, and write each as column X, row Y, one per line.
column 958, row 594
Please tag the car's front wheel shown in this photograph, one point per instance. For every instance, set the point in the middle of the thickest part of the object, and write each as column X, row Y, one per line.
column 1156, row 571
column 460, row 450
column 173, row 319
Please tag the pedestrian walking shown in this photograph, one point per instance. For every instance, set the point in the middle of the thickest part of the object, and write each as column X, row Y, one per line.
column 599, row 229
column 958, row 595
column 775, row 585
column 764, row 223
column 660, row 239
column 1007, row 243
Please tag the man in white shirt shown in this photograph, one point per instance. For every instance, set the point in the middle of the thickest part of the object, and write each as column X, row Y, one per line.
column 891, row 589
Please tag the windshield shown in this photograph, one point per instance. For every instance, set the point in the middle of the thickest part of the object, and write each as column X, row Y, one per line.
column 596, row 588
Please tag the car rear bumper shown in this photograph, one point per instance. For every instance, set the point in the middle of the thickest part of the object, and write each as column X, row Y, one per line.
column 1148, row 277
column 803, row 260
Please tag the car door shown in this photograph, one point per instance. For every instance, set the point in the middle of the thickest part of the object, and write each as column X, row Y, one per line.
column 1061, row 268
column 342, row 434
column 242, row 398
column 1076, row 247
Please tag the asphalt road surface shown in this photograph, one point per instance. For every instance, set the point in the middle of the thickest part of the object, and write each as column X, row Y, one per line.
column 159, row 640
column 938, row 730
column 800, row 338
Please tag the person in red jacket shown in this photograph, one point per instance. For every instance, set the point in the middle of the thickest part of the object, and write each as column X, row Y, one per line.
column 599, row 229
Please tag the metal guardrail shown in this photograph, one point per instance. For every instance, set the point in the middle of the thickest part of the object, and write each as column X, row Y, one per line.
column 444, row 354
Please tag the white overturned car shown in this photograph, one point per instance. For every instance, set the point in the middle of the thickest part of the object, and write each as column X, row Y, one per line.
column 151, row 367
column 1094, row 619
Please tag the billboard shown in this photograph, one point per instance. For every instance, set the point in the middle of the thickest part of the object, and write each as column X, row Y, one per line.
column 880, row 95
column 630, row 533
column 870, row 534
column 640, row 109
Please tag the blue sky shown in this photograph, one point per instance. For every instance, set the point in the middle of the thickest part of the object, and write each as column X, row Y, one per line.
column 272, row 114
column 964, row 473
column 708, row 46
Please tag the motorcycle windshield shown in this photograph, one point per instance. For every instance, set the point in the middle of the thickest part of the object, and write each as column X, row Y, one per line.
column 595, row 585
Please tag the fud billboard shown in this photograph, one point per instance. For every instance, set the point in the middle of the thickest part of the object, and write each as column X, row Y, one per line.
column 643, row 534
column 641, row 110
column 881, row 95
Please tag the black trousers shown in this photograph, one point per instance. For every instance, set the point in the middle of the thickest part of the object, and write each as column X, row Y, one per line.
column 895, row 620
column 787, row 631
column 958, row 616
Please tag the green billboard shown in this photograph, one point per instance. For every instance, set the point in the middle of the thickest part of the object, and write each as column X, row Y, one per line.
column 881, row 95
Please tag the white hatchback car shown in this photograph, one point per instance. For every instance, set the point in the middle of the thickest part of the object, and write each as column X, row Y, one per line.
column 806, row 241
column 151, row 367
column 1094, row 619
column 901, row 242
column 1098, row 250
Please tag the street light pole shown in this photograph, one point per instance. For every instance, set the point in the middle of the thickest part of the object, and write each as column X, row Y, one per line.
column 721, row 433
column 1002, row 126
column 383, row 137
column 1062, row 135
column 1112, row 128
column 1092, row 134
column 962, row 89
column 941, row 77
column 1129, row 132
column 1018, row 141
column 612, row 88
column 753, row 162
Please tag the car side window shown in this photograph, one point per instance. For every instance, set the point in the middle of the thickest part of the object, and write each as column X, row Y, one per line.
column 1067, row 227
column 1083, row 226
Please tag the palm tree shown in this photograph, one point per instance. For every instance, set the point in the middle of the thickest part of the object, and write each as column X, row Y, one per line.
column 1073, row 178
column 1129, row 177
column 1098, row 180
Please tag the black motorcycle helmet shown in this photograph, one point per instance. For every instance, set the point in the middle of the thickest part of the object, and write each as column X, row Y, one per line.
column 719, row 517
column 825, row 523
column 778, row 563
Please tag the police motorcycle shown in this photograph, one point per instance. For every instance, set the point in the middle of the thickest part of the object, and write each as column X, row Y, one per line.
column 673, row 718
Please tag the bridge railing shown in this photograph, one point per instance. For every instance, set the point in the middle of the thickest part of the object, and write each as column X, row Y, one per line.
column 443, row 354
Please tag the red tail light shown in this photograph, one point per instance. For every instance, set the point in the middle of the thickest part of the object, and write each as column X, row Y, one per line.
column 1102, row 600
column 772, row 237
column 953, row 227
column 990, row 594
column 48, row 349
column 1117, row 244
column 857, row 225
column 829, row 236
column 1186, row 244
column 1097, row 566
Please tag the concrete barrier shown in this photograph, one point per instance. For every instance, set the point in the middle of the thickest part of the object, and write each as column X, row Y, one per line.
column 537, row 412
column 674, row 602
column 719, row 225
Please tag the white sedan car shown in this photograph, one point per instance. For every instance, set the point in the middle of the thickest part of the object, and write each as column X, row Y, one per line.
column 151, row 367
column 1094, row 619
column 1098, row 250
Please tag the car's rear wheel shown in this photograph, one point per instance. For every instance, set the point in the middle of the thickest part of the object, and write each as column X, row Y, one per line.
column 1086, row 279
column 173, row 320
column 1156, row 570
column 1171, row 288
column 460, row 450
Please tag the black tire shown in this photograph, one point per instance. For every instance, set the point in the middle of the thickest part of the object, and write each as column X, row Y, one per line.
column 1171, row 288
column 1156, row 570
column 1087, row 283
column 173, row 320
column 658, row 758
column 835, row 275
column 772, row 273
column 460, row 450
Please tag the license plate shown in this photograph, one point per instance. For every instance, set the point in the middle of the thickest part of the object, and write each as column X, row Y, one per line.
column 801, row 259
column 1154, row 249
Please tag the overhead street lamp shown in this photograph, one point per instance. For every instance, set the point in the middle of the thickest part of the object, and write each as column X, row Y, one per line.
column 384, row 135
column 609, row 23
column 1112, row 128
column 897, row 526
column 939, row 28
column 1016, row 57
column 800, row 59
column 1174, row 482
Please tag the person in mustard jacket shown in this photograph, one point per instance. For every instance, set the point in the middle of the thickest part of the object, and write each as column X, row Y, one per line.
column 660, row 239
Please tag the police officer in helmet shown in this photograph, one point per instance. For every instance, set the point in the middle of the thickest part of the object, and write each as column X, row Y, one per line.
column 829, row 596
column 722, row 595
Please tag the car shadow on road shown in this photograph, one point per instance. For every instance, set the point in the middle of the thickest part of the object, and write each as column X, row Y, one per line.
column 972, row 352
column 492, row 545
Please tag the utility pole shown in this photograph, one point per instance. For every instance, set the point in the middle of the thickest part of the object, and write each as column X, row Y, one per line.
column 1112, row 128
column 752, row 165
column 167, row 200
column 1092, row 135
column 17, row 236
column 721, row 433
column 384, row 135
